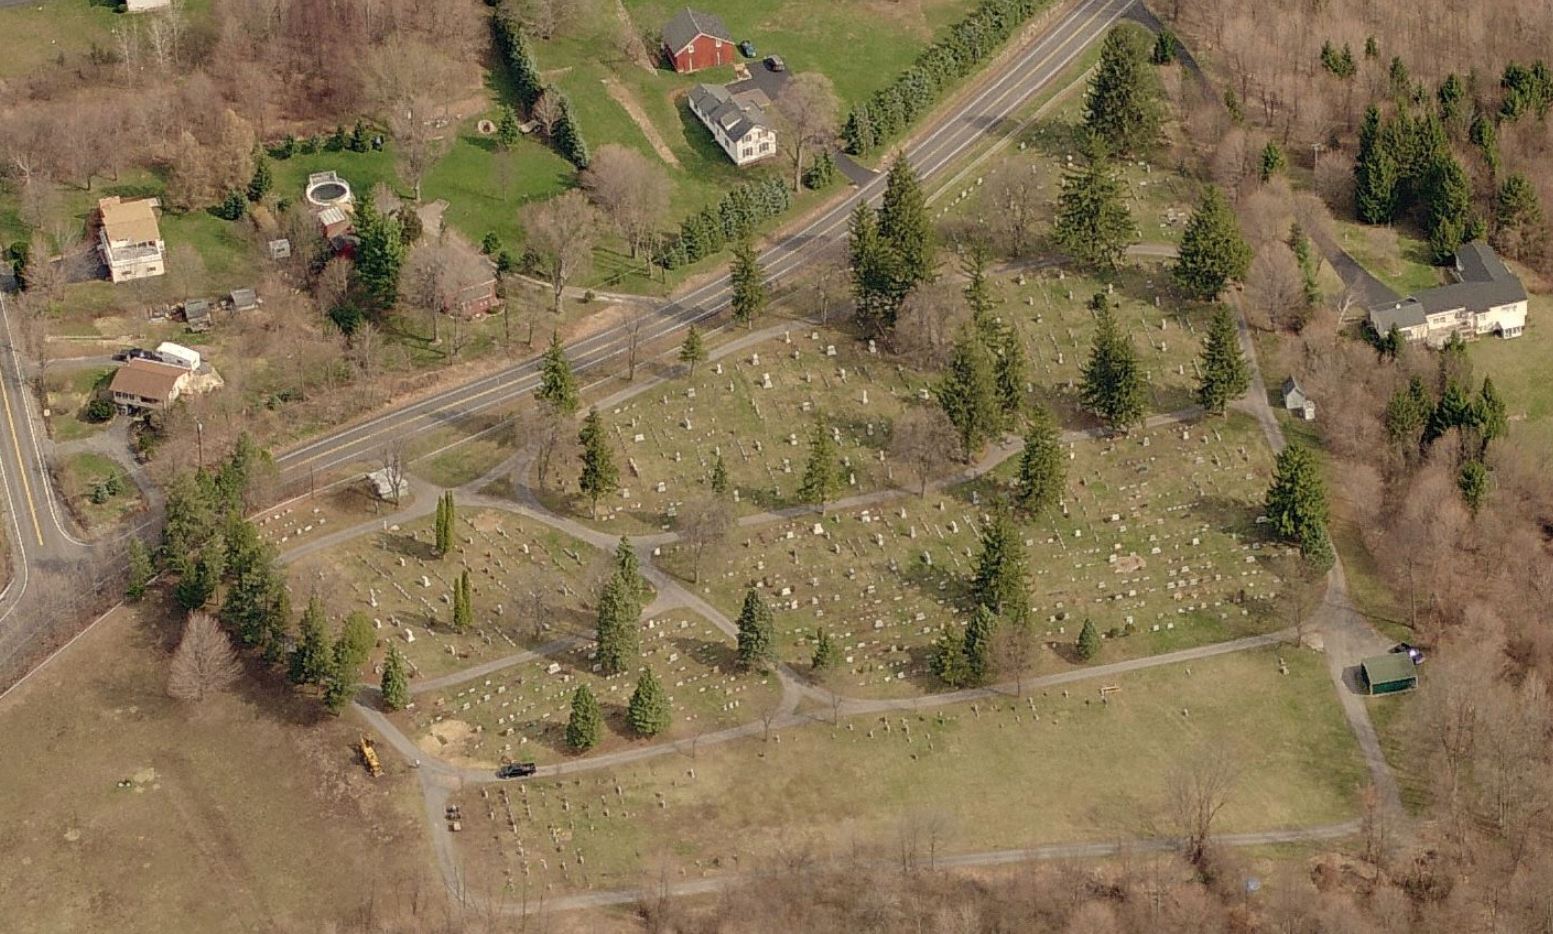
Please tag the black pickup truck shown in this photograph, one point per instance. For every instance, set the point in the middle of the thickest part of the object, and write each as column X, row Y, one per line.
column 516, row 770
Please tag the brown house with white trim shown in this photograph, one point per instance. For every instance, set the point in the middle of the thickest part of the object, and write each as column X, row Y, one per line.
column 141, row 385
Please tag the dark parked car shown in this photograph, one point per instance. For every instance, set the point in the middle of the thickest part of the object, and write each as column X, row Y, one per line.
column 135, row 353
column 775, row 63
column 1412, row 651
column 516, row 770
column 747, row 49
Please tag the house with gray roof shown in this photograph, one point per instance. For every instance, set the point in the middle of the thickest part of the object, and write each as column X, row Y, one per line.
column 1486, row 298
column 737, row 120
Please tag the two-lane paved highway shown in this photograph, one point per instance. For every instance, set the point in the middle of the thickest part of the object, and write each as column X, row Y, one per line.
column 980, row 112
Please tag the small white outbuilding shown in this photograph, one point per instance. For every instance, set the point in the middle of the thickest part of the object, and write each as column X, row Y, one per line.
column 178, row 355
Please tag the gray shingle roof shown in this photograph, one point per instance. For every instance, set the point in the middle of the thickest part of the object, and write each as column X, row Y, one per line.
column 736, row 117
column 687, row 24
column 1485, row 282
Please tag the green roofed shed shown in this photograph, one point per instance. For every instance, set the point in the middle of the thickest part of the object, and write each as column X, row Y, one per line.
column 1388, row 674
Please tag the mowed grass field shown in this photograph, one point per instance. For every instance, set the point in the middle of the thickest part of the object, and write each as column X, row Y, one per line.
column 81, row 474
column 1520, row 369
column 245, row 812
column 1010, row 773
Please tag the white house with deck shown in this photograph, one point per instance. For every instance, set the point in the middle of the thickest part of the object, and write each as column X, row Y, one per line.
column 1486, row 298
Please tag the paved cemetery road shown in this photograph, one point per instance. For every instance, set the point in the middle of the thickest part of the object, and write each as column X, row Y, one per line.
column 931, row 152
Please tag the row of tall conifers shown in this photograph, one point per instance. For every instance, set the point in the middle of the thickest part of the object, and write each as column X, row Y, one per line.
column 513, row 48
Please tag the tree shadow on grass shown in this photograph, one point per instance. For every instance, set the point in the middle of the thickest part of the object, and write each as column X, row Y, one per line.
column 406, row 545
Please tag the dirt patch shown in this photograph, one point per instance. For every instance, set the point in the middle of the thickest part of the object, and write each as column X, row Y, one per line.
column 1131, row 564
column 623, row 96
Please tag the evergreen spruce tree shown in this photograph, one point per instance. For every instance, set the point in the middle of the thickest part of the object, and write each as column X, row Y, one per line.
column 463, row 611
column 968, row 393
column 748, row 283
column 1448, row 197
column 1473, row 483
column 586, row 723
column 1316, row 548
column 905, row 227
column 262, row 181
column 619, row 614
column 822, row 472
column 380, row 254
column 1408, row 413
column 978, row 297
column 1518, row 218
column 1088, row 644
column 978, row 644
column 1213, row 253
column 875, row 272
column 756, row 640
column 1112, row 386
column 600, row 477
column 1490, row 414
column 354, row 646
column 1224, row 372
column 948, row 658
column 1454, row 410
column 1001, row 582
column 1273, row 160
column 1375, row 173
column 1042, row 467
column 827, row 654
column 693, row 350
column 396, row 680
column 141, row 570
column 339, row 686
column 1093, row 224
column 507, row 130
column 310, row 657
column 557, row 385
column 1123, row 104
column 719, row 478
column 629, row 569
column 648, row 711
column 1296, row 501
column 256, row 605
column 1299, row 244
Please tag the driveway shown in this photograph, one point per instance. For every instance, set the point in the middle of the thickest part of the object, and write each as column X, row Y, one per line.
column 761, row 78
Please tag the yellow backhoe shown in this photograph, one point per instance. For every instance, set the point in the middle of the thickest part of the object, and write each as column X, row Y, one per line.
column 369, row 757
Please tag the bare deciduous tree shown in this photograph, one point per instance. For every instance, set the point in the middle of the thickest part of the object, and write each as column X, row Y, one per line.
column 703, row 524
column 1014, row 194
column 1196, row 790
column 923, row 440
column 547, row 111
column 631, row 190
column 561, row 231
column 204, row 662
column 808, row 108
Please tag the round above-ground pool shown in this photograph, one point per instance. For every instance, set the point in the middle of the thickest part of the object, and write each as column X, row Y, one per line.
column 329, row 191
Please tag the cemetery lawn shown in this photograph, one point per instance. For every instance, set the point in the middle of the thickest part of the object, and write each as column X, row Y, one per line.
column 256, row 788
column 472, row 459
column 522, row 711
column 520, row 599
column 66, row 395
column 668, row 437
column 304, row 520
column 993, row 777
column 80, row 475
column 1159, row 548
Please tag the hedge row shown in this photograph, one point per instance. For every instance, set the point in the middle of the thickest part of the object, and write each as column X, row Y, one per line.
column 972, row 40
column 512, row 46
column 733, row 218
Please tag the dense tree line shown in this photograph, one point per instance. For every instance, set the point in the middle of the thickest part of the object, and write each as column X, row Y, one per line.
column 893, row 108
column 732, row 219
column 513, row 50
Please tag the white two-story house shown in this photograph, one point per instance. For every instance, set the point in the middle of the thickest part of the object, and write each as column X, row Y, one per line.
column 1486, row 298
column 129, row 239
column 738, row 121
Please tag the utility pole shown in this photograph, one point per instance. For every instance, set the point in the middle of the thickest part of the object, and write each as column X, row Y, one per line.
column 199, row 432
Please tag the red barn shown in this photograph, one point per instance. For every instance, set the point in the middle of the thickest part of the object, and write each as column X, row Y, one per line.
column 697, row 40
